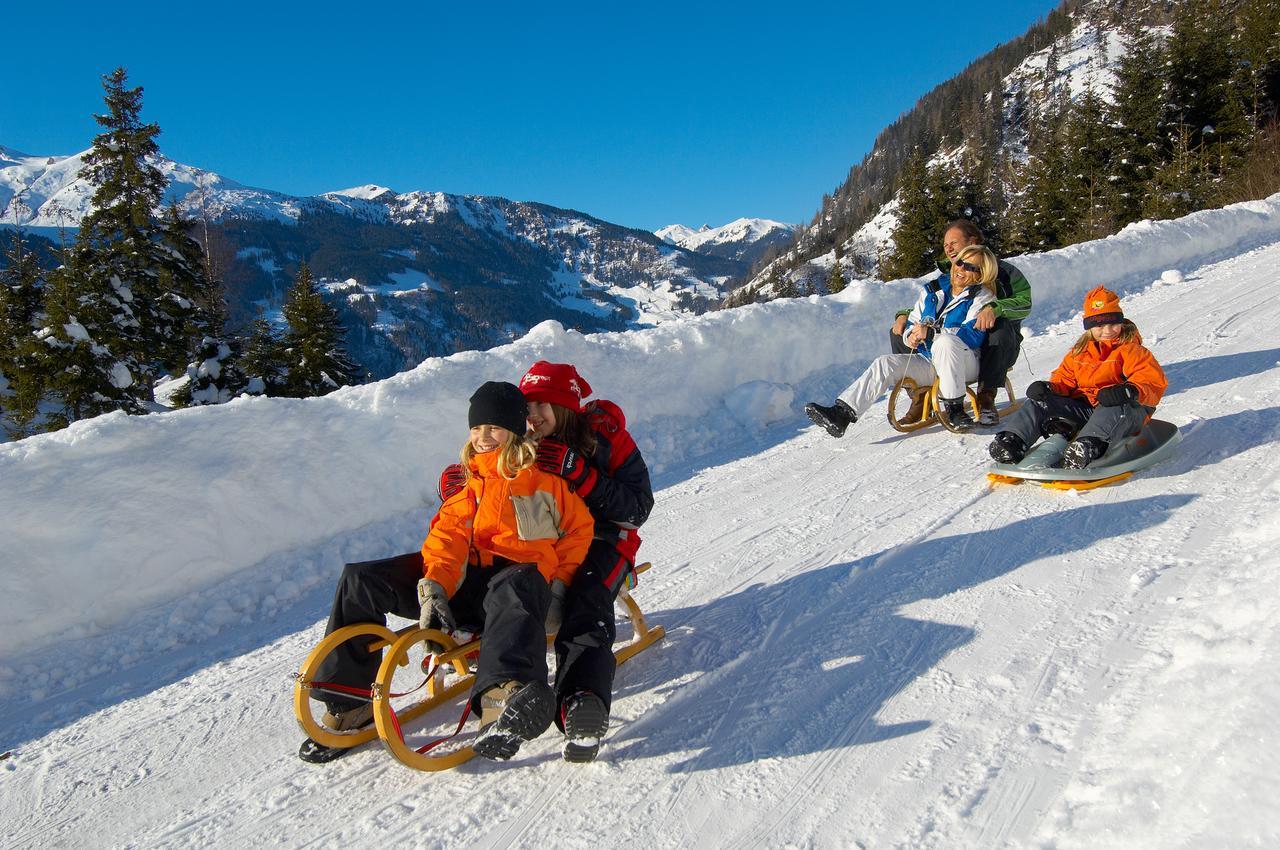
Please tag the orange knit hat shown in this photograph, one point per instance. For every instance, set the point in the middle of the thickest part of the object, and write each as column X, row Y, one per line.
column 1101, row 307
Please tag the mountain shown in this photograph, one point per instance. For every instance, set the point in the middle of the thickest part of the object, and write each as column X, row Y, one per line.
column 745, row 239
column 867, row 645
column 417, row 274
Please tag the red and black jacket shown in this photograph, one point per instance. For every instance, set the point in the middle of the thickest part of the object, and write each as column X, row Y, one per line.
column 619, row 496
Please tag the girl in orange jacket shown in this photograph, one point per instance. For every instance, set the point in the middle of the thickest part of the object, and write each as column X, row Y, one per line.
column 522, row 528
column 1105, row 389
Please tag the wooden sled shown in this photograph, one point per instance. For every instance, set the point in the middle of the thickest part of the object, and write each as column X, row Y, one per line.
column 906, row 389
column 1154, row 443
column 450, row 676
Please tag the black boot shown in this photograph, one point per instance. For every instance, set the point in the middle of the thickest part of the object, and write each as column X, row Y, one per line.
column 957, row 416
column 1083, row 452
column 835, row 418
column 1007, row 447
column 585, row 721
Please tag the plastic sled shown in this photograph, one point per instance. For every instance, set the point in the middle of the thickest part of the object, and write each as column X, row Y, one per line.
column 1154, row 443
column 903, row 391
column 448, row 676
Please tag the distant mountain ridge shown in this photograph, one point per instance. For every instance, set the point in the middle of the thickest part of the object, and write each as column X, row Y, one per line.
column 743, row 239
column 417, row 274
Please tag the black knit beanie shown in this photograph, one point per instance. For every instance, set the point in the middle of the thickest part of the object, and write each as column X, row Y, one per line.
column 498, row 403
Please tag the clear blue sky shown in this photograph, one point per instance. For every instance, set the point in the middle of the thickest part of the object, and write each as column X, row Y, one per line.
column 641, row 114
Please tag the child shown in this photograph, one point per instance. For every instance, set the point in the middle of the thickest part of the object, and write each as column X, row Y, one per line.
column 1105, row 389
column 524, row 528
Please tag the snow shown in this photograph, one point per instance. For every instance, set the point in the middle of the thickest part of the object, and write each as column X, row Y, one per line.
column 866, row 646
column 741, row 230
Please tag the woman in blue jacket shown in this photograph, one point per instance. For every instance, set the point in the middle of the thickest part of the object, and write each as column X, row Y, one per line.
column 944, row 343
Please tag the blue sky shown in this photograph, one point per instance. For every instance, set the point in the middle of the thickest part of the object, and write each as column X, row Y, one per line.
column 640, row 114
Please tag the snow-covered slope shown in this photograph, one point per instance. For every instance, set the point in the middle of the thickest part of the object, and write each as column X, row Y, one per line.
column 866, row 646
column 741, row 239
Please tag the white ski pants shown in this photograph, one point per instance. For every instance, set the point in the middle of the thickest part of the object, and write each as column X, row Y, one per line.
column 954, row 364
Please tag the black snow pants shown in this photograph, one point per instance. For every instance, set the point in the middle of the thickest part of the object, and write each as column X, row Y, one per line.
column 506, row 602
column 584, row 644
column 1105, row 423
column 999, row 353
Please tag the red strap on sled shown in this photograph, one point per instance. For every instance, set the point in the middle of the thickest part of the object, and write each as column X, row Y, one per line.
column 462, row 721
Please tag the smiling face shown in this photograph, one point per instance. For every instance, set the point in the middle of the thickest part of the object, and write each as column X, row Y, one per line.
column 1106, row 333
column 542, row 418
column 954, row 241
column 486, row 438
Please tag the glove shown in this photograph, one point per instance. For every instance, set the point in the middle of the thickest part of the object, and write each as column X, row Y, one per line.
column 1120, row 394
column 452, row 481
column 1039, row 390
column 555, row 612
column 556, row 457
column 435, row 613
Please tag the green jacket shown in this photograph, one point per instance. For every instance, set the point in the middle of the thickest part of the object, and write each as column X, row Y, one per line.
column 1013, row 291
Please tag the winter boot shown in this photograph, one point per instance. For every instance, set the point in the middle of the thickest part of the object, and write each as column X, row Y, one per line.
column 585, row 720
column 987, row 414
column 348, row 720
column 510, row 714
column 916, row 411
column 1083, row 452
column 957, row 417
column 1007, row 447
column 835, row 418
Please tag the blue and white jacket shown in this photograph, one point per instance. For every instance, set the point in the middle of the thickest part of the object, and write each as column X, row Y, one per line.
column 952, row 315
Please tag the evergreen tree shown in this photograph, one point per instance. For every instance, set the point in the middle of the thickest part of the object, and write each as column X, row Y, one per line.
column 836, row 283
column 262, row 361
column 213, row 377
column 1086, row 190
column 315, row 360
column 21, row 292
column 924, row 208
column 1135, row 116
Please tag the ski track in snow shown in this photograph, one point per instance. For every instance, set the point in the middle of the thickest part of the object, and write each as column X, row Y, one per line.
column 866, row 647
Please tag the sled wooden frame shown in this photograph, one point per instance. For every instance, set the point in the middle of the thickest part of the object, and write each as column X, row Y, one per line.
column 438, row 692
column 907, row 388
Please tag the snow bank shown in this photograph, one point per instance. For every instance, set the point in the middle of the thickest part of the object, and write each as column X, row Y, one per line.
column 118, row 514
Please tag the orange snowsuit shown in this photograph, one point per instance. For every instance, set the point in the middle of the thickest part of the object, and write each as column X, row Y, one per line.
column 534, row 519
column 1104, row 364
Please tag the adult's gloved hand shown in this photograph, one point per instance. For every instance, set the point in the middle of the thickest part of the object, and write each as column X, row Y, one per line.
column 1039, row 390
column 555, row 456
column 555, row 612
column 452, row 481
column 435, row 612
column 1118, row 395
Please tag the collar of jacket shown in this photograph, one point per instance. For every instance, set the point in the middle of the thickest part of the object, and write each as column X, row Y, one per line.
column 485, row 465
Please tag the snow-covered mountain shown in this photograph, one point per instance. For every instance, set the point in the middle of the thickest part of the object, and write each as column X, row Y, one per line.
column 744, row 239
column 866, row 645
column 418, row 274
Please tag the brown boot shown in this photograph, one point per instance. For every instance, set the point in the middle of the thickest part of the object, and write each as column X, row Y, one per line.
column 352, row 718
column 916, row 410
column 987, row 414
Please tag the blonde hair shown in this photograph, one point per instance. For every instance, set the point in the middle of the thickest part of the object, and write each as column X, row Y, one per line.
column 514, row 456
column 1128, row 333
column 987, row 263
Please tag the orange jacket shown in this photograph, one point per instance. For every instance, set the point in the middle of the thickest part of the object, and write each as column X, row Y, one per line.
column 1106, row 365
column 534, row 519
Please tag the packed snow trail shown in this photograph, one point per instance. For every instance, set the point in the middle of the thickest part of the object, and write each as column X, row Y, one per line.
column 866, row 646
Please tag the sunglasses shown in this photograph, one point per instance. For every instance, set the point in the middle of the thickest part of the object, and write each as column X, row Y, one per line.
column 969, row 267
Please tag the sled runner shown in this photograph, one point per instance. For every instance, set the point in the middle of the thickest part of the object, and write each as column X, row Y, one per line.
column 1152, row 444
column 448, row 675
column 905, row 390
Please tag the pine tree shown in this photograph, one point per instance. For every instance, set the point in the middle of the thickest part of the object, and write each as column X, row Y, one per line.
column 314, row 357
column 1135, row 117
column 21, row 293
column 262, row 360
column 924, row 208
column 836, row 283
column 1087, row 155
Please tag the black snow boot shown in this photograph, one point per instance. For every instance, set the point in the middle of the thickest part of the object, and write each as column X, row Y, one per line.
column 1083, row 452
column 835, row 418
column 1007, row 447
column 511, row 714
column 585, row 720
column 956, row 415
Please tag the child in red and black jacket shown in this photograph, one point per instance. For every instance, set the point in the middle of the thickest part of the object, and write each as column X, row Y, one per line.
column 587, row 444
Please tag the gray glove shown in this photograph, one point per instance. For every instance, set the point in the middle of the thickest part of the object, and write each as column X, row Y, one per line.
column 435, row 613
column 555, row 611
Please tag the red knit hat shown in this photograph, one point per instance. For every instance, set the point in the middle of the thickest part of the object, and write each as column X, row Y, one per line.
column 1101, row 307
column 557, row 383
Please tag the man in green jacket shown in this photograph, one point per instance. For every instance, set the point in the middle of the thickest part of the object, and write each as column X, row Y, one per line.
column 1002, row 320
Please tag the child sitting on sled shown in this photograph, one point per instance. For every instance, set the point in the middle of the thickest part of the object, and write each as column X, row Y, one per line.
column 524, row 528
column 1104, row 390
